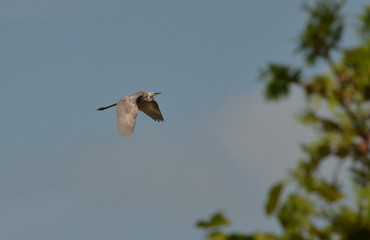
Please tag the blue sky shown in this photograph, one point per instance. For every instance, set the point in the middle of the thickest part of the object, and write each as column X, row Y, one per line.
column 64, row 171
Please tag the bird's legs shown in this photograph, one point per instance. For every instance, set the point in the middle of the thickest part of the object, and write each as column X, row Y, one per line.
column 103, row 108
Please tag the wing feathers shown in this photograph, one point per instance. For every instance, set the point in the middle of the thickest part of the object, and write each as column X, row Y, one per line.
column 126, row 112
column 151, row 109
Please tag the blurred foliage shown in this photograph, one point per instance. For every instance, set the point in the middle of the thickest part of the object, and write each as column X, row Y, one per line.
column 279, row 78
column 215, row 221
column 213, row 225
column 364, row 23
column 312, row 204
column 323, row 30
column 274, row 197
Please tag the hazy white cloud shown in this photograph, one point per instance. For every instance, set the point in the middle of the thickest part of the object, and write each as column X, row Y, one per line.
column 259, row 135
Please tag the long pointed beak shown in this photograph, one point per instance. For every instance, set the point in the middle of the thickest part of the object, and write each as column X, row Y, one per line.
column 158, row 93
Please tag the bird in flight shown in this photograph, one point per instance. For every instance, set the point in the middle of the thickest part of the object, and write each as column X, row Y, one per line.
column 127, row 109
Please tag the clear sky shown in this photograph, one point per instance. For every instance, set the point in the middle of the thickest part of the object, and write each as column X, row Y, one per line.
column 64, row 171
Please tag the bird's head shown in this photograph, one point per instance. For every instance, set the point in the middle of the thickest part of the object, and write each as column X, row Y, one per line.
column 152, row 94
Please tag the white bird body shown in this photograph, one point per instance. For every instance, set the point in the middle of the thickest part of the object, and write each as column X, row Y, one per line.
column 127, row 109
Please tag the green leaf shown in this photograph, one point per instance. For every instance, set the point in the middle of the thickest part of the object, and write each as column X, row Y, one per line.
column 278, row 78
column 216, row 220
column 273, row 198
column 327, row 191
column 202, row 224
column 295, row 213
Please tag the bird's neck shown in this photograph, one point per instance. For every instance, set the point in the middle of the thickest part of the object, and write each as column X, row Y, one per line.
column 145, row 99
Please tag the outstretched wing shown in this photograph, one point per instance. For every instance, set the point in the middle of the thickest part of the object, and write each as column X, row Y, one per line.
column 151, row 109
column 126, row 112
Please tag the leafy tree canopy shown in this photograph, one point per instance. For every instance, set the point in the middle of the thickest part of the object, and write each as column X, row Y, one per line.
column 338, row 109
